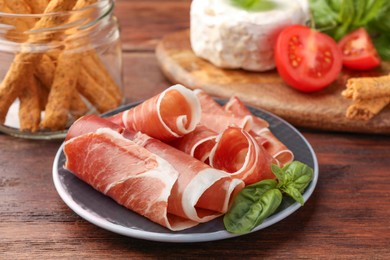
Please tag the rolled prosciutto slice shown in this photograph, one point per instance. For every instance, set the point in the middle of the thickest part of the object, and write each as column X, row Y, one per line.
column 123, row 164
column 216, row 118
column 239, row 154
column 198, row 143
column 201, row 193
column 261, row 132
column 166, row 116
column 128, row 173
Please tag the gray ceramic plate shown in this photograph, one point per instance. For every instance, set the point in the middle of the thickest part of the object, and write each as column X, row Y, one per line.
column 106, row 213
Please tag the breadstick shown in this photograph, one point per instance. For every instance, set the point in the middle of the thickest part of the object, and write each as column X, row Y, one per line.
column 21, row 7
column 95, row 93
column 83, row 3
column 43, row 93
column 19, row 25
column 367, row 108
column 78, row 108
column 52, row 21
column 45, row 71
column 16, row 76
column 62, row 89
column 18, row 6
column 367, row 88
column 10, row 87
column 97, row 70
column 38, row 6
column 29, row 110
column 53, row 54
column 96, row 79
column 64, row 82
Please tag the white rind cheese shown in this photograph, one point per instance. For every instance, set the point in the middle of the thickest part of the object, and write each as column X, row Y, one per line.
column 234, row 38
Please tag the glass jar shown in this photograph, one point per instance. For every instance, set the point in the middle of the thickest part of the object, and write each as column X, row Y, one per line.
column 58, row 62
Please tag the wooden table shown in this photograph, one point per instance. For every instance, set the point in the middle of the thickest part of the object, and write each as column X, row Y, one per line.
column 348, row 216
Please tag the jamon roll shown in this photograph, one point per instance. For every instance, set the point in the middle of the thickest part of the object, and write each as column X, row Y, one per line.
column 146, row 175
column 166, row 116
column 216, row 118
column 261, row 132
column 239, row 154
column 198, row 143
column 235, row 113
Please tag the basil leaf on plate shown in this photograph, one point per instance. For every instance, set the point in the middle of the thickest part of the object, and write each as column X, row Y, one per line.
column 293, row 179
column 252, row 206
column 258, row 201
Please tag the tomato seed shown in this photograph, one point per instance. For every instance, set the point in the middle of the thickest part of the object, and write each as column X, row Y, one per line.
column 294, row 63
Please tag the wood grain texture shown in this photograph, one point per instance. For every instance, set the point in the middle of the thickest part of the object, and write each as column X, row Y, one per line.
column 347, row 217
column 144, row 23
column 323, row 109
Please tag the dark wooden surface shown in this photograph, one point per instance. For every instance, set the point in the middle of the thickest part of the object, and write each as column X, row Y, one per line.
column 347, row 217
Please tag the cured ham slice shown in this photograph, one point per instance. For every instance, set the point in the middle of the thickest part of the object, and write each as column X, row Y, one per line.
column 89, row 124
column 237, row 108
column 198, row 194
column 235, row 113
column 166, row 116
column 199, row 189
column 261, row 132
column 216, row 118
column 198, row 143
column 238, row 153
column 119, row 168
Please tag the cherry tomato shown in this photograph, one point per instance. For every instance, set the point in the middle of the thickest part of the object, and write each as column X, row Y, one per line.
column 306, row 59
column 358, row 51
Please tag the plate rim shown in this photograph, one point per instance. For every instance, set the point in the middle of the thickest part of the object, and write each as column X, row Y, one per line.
column 179, row 237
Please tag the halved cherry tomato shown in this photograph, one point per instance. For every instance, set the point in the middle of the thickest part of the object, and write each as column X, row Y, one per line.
column 306, row 59
column 358, row 51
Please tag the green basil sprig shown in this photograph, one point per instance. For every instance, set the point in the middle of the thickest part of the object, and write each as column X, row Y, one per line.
column 258, row 201
column 293, row 179
column 339, row 17
column 252, row 205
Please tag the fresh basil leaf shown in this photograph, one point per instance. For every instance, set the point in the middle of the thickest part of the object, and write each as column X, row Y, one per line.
column 379, row 29
column 360, row 7
column 339, row 17
column 279, row 173
column 382, row 45
column 295, row 194
column 293, row 179
column 252, row 206
column 334, row 4
column 373, row 9
column 299, row 175
column 255, row 5
column 326, row 17
column 381, row 22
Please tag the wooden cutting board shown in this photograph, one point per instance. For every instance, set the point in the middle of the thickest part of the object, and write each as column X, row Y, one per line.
column 324, row 110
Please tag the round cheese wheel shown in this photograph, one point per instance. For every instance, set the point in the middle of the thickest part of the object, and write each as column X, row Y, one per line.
column 234, row 38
